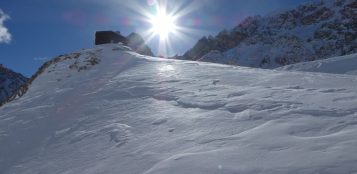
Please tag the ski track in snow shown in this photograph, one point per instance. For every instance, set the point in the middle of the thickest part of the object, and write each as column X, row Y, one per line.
column 134, row 114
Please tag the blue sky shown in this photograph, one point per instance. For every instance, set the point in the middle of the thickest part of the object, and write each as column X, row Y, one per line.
column 43, row 29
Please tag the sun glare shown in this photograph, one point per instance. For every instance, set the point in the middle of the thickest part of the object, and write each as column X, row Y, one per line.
column 163, row 24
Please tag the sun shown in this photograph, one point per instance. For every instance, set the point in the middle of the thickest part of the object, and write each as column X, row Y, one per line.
column 165, row 22
column 162, row 24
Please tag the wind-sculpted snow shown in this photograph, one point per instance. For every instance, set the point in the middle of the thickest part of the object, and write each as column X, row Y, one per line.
column 132, row 114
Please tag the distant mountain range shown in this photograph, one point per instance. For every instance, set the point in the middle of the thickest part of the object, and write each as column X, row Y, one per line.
column 309, row 32
column 10, row 82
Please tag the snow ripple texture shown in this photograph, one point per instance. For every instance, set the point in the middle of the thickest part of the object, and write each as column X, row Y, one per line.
column 132, row 114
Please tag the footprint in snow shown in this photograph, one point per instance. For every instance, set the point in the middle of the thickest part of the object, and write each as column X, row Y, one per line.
column 332, row 90
column 214, row 82
column 294, row 87
column 118, row 133
column 159, row 121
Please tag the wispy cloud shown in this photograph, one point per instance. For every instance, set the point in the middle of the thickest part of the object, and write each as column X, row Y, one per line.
column 5, row 36
column 40, row 59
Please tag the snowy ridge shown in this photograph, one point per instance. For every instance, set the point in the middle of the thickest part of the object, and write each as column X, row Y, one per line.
column 134, row 114
column 337, row 65
column 78, row 64
column 308, row 32
column 10, row 82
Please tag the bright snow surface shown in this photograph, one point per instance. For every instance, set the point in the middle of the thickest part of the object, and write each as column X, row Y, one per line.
column 337, row 65
column 132, row 114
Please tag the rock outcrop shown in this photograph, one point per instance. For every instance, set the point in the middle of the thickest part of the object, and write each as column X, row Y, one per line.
column 10, row 82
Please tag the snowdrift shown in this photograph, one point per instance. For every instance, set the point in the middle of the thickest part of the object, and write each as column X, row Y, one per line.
column 133, row 114
column 337, row 65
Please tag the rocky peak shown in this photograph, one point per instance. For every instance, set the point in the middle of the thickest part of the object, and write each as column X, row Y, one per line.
column 310, row 31
column 10, row 82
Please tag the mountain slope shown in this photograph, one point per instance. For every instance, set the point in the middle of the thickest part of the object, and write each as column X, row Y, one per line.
column 309, row 32
column 337, row 65
column 133, row 114
column 10, row 82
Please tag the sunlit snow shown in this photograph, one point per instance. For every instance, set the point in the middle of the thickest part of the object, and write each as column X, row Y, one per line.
column 133, row 114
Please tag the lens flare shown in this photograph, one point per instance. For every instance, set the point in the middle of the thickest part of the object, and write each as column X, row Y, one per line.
column 164, row 21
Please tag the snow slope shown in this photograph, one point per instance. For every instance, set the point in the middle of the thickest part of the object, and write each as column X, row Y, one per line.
column 337, row 65
column 132, row 114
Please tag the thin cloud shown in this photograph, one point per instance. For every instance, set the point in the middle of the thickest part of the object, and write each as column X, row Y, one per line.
column 5, row 36
column 40, row 59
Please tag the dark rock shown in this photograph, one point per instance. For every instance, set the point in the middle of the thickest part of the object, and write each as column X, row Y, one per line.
column 10, row 82
column 104, row 37
column 321, row 14
column 203, row 46
column 350, row 11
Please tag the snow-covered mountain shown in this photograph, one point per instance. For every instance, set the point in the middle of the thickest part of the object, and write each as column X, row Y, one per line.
column 309, row 32
column 10, row 82
column 109, row 110
column 337, row 65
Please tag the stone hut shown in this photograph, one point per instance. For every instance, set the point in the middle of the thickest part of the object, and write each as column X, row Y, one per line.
column 104, row 37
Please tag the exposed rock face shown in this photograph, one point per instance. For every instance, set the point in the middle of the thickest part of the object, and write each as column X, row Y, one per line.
column 225, row 39
column 10, row 82
column 212, row 56
column 103, row 37
column 309, row 32
column 137, row 43
column 318, row 15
